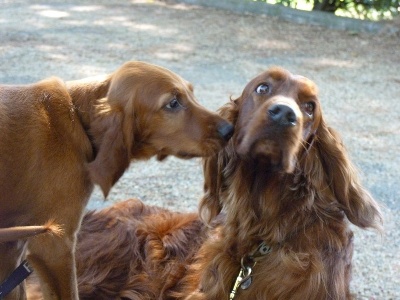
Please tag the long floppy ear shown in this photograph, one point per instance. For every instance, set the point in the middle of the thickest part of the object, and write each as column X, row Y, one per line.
column 213, row 168
column 113, row 155
column 357, row 203
column 210, row 206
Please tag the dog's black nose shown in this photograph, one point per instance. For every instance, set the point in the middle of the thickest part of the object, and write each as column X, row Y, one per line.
column 225, row 130
column 282, row 115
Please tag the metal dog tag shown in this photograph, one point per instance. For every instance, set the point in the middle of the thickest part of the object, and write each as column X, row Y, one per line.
column 246, row 283
column 243, row 278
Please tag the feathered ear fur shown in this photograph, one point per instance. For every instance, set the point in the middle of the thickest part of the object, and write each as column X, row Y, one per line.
column 341, row 176
column 210, row 206
column 113, row 155
column 213, row 168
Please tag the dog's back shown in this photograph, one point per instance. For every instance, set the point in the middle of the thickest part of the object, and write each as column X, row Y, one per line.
column 39, row 133
column 133, row 249
column 43, row 149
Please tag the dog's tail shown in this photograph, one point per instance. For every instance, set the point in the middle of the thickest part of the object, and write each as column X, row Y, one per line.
column 21, row 232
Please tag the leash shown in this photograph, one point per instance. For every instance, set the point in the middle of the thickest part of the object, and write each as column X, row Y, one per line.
column 16, row 277
column 247, row 263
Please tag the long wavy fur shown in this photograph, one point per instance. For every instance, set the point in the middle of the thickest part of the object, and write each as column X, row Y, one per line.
column 139, row 252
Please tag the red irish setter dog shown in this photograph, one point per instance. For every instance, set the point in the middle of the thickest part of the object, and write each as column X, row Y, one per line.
column 278, row 202
column 58, row 139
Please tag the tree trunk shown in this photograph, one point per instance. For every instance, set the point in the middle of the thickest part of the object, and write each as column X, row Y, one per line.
column 325, row 5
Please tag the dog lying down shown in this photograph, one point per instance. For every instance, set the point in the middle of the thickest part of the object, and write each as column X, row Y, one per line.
column 132, row 251
column 273, row 223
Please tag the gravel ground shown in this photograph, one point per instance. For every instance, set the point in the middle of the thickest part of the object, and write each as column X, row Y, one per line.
column 218, row 51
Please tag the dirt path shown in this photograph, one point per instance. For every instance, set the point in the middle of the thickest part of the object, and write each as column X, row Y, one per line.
column 218, row 51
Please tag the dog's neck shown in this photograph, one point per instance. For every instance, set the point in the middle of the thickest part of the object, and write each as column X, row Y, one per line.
column 264, row 199
column 85, row 93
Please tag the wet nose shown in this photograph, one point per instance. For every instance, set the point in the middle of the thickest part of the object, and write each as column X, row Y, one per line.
column 282, row 115
column 225, row 130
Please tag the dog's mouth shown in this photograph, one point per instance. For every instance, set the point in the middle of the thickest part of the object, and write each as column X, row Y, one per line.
column 209, row 149
column 182, row 155
column 269, row 153
column 186, row 155
column 275, row 148
column 204, row 148
column 272, row 133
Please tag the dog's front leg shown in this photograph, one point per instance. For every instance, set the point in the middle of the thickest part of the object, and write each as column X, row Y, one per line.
column 53, row 259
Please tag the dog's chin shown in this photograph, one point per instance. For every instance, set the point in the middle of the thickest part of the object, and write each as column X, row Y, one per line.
column 181, row 155
column 268, row 154
column 161, row 157
column 186, row 155
column 276, row 163
column 205, row 150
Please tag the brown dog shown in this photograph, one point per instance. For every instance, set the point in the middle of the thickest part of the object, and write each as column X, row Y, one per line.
column 284, row 191
column 57, row 139
column 133, row 251
column 289, row 191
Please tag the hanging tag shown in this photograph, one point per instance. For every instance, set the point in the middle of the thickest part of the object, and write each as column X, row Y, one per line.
column 246, row 283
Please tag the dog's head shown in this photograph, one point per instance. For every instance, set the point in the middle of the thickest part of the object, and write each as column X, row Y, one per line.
column 280, row 129
column 151, row 111
column 278, row 115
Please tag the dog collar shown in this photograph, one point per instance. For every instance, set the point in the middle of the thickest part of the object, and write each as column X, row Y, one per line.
column 16, row 277
column 247, row 263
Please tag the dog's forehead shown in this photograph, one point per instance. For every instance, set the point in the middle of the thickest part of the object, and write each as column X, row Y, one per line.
column 175, row 82
column 275, row 74
column 305, row 86
column 152, row 74
column 183, row 85
column 278, row 75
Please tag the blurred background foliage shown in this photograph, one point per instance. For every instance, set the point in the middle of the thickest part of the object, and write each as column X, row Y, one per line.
column 361, row 9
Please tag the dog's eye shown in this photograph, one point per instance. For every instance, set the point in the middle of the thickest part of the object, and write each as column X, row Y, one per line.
column 263, row 88
column 309, row 108
column 174, row 104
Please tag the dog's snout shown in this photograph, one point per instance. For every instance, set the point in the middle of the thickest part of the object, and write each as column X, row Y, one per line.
column 282, row 115
column 225, row 130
